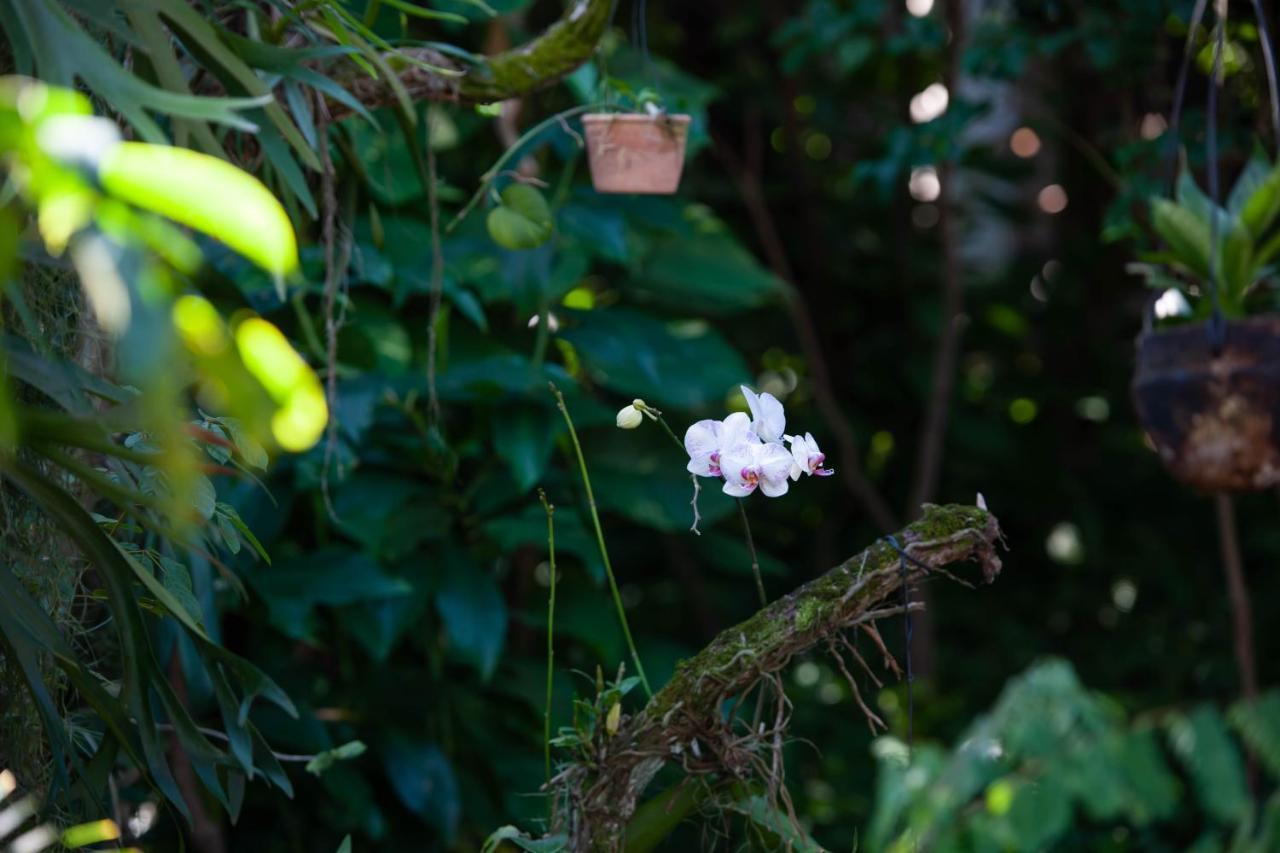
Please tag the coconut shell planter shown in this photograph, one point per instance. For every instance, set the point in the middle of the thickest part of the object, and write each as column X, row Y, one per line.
column 1213, row 418
column 636, row 153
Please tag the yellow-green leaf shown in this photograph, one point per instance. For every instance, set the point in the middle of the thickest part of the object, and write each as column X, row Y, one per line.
column 207, row 194
column 522, row 220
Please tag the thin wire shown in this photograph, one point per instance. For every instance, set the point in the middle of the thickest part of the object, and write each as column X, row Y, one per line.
column 640, row 40
column 1269, row 60
column 1180, row 90
column 1216, row 325
column 903, row 557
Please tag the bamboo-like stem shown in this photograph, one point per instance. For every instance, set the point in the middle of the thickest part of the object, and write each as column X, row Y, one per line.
column 551, row 621
column 604, row 551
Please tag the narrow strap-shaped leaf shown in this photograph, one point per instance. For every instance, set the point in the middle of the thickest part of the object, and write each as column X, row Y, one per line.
column 139, row 666
column 146, row 24
column 200, row 37
column 24, row 615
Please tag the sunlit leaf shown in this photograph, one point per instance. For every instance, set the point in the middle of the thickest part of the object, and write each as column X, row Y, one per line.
column 207, row 194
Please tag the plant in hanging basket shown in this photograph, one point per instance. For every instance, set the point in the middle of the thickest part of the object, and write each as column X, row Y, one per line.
column 641, row 152
column 1207, row 381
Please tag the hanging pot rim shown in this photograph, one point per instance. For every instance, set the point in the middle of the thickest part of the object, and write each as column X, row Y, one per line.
column 666, row 118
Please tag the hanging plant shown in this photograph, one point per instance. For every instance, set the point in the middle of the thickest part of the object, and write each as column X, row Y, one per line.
column 637, row 152
column 1207, row 385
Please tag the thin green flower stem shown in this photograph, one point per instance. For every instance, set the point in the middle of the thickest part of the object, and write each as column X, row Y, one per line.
column 604, row 552
column 746, row 525
column 751, row 546
column 662, row 421
column 551, row 621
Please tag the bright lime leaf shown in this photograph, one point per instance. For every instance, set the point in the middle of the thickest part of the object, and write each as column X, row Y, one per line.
column 85, row 834
column 303, row 413
column 207, row 194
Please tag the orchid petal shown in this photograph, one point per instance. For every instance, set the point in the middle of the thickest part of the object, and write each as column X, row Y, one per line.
column 774, row 488
column 767, row 416
column 703, row 438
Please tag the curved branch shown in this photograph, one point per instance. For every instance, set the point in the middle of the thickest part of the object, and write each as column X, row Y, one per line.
column 539, row 63
column 685, row 721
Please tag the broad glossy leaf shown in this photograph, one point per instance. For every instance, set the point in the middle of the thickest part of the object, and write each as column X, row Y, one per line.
column 474, row 612
column 601, row 229
column 423, row 779
column 332, row 576
column 681, row 364
column 708, row 273
column 1201, row 742
column 523, row 437
column 386, row 513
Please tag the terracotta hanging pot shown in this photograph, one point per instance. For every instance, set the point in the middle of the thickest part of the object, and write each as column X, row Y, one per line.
column 1214, row 419
column 636, row 152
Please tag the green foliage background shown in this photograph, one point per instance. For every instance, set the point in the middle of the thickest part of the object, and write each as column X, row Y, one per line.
column 404, row 603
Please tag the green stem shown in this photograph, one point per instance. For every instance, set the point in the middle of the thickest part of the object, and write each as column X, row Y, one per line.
column 371, row 12
column 668, row 430
column 510, row 154
column 604, row 552
column 751, row 546
column 551, row 621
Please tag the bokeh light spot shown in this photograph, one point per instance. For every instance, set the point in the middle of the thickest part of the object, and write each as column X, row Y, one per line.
column 1052, row 199
column 1025, row 142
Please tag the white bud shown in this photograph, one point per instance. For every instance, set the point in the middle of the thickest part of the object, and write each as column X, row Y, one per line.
column 629, row 417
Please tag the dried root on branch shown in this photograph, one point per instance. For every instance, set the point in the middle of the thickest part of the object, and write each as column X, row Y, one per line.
column 684, row 722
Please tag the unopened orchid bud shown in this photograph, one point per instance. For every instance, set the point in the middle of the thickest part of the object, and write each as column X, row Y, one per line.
column 629, row 417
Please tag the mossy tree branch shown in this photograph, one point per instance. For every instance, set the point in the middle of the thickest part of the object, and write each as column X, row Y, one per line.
column 685, row 721
column 539, row 63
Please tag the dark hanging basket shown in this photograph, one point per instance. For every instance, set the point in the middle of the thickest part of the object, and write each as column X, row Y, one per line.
column 1214, row 419
column 636, row 152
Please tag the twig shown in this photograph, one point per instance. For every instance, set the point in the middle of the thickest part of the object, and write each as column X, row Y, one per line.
column 873, row 719
column 604, row 552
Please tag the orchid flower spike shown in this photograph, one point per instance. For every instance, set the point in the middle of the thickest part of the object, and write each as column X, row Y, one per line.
column 768, row 420
column 706, row 442
column 751, row 465
column 806, row 457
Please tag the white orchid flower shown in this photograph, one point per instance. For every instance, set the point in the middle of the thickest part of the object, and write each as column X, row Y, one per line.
column 767, row 417
column 706, row 442
column 751, row 464
column 806, row 458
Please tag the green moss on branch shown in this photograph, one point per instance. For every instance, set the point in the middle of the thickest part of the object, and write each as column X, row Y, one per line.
column 539, row 63
column 685, row 718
